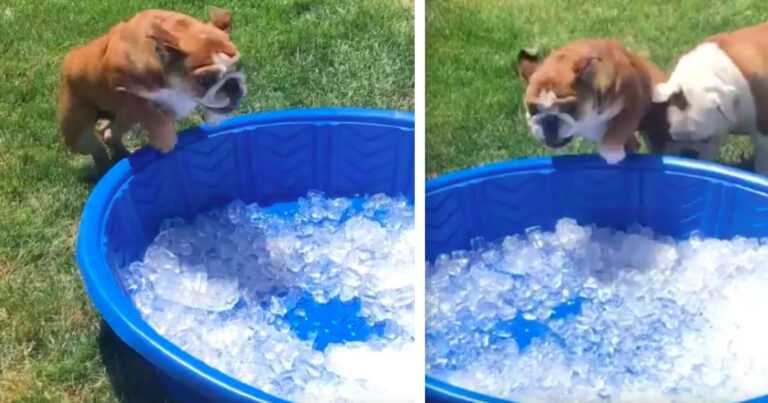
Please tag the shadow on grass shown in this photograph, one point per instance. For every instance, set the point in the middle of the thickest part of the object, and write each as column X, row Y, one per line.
column 89, row 174
column 134, row 379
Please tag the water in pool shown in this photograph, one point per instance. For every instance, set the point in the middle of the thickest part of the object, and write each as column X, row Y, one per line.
column 310, row 300
column 592, row 314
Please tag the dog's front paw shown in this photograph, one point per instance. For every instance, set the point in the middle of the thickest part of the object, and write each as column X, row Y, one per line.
column 612, row 154
column 164, row 144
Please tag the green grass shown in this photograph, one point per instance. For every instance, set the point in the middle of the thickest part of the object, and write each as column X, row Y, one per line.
column 474, row 109
column 297, row 52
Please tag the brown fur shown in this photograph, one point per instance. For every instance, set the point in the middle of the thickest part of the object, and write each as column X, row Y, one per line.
column 102, row 78
column 654, row 126
column 604, row 71
column 748, row 48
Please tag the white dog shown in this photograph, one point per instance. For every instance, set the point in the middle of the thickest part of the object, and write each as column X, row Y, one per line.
column 719, row 88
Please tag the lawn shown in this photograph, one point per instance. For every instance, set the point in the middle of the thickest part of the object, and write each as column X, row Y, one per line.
column 474, row 109
column 297, row 53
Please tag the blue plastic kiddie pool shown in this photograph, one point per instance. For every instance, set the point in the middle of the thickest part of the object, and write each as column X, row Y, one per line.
column 673, row 196
column 266, row 158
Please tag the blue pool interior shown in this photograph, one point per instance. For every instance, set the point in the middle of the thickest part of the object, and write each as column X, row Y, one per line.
column 335, row 321
column 673, row 196
column 266, row 158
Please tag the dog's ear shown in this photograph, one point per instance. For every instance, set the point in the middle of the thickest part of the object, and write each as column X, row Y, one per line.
column 527, row 62
column 166, row 44
column 592, row 71
column 665, row 91
column 220, row 18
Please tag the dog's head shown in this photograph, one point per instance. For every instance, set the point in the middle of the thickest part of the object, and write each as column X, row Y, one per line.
column 695, row 110
column 655, row 128
column 200, row 64
column 566, row 93
column 202, row 60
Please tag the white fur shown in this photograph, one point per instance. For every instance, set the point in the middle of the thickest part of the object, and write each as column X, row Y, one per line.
column 225, row 63
column 547, row 99
column 217, row 99
column 591, row 125
column 214, row 118
column 720, row 103
column 174, row 101
column 534, row 127
column 565, row 130
column 719, row 98
column 612, row 154
column 594, row 122
column 178, row 99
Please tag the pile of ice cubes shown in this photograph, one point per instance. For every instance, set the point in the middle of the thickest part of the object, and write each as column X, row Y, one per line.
column 593, row 314
column 220, row 287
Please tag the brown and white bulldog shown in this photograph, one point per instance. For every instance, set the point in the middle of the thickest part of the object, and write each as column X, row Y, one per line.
column 151, row 70
column 595, row 89
column 720, row 87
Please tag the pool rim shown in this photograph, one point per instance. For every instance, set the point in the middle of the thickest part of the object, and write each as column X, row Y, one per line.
column 463, row 177
column 117, row 309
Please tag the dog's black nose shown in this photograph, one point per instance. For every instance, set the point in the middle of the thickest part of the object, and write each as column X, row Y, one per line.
column 550, row 124
column 689, row 153
column 232, row 88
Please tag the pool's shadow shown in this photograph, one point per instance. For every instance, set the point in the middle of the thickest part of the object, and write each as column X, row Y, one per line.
column 134, row 379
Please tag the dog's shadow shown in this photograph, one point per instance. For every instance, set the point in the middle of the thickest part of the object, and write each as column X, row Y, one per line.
column 133, row 379
column 89, row 175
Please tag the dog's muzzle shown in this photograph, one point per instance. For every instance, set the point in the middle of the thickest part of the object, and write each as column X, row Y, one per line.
column 225, row 96
column 557, row 142
column 548, row 127
column 550, row 124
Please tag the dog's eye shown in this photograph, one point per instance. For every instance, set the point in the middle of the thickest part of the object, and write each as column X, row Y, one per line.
column 208, row 80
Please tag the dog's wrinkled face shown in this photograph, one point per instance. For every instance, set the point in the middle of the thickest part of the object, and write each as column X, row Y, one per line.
column 556, row 106
column 551, row 101
column 660, row 141
column 552, row 118
column 202, row 62
column 696, row 112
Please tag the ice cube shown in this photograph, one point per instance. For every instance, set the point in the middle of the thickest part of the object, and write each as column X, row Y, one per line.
column 196, row 290
column 161, row 258
column 220, row 286
column 646, row 313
